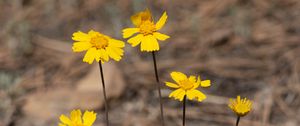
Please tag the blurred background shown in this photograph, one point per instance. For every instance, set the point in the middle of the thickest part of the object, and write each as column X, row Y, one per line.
column 247, row 48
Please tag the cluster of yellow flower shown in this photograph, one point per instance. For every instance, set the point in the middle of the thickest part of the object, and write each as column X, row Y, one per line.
column 101, row 47
column 75, row 119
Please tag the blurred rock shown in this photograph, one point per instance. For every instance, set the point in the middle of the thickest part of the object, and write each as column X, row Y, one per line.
column 114, row 82
column 46, row 106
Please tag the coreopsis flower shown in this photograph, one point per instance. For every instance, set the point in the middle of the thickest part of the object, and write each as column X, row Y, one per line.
column 97, row 46
column 147, row 31
column 75, row 119
column 187, row 86
column 240, row 107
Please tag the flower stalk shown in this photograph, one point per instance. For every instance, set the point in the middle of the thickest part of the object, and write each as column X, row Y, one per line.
column 183, row 111
column 145, row 33
column 237, row 120
column 101, row 48
column 104, row 94
column 158, row 89
column 186, row 89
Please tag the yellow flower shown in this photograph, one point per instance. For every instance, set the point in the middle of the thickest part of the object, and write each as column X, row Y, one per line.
column 187, row 86
column 97, row 46
column 75, row 119
column 240, row 106
column 147, row 31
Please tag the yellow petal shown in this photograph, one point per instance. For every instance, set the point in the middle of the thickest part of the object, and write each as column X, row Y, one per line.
column 192, row 78
column 160, row 36
column 90, row 55
column 141, row 16
column 161, row 22
column 174, row 93
column 93, row 33
column 146, row 15
column 114, row 49
column 116, row 43
column 134, row 41
column 205, row 83
column 113, row 53
column 149, row 44
column 250, row 105
column 195, row 94
column 190, row 95
column 127, row 32
column 199, row 80
column 238, row 99
column 196, row 85
column 104, row 57
column 180, row 95
column 80, row 36
column 64, row 119
column 98, row 55
column 119, row 51
column 89, row 118
column 178, row 76
column 76, row 116
column 60, row 124
column 172, row 85
column 136, row 20
column 81, row 46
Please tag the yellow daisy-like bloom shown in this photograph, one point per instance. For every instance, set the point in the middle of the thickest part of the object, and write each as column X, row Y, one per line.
column 97, row 46
column 239, row 106
column 75, row 119
column 187, row 86
column 147, row 31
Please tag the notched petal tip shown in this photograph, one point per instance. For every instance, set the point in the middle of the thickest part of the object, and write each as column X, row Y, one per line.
column 128, row 32
column 88, row 62
column 205, row 83
column 77, row 32
column 151, row 50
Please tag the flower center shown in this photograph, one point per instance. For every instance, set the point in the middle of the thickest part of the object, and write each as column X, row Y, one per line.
column 186, row 84
column 147, row 27
column 99, row 41
column 241, row 108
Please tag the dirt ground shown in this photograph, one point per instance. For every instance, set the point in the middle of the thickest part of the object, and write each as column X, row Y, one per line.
column 247, row 48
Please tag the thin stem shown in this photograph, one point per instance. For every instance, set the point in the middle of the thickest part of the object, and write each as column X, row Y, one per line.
column 237, row 120
column 159, row 91
column 104, row 94
column 155, row 67
column 183, row 111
